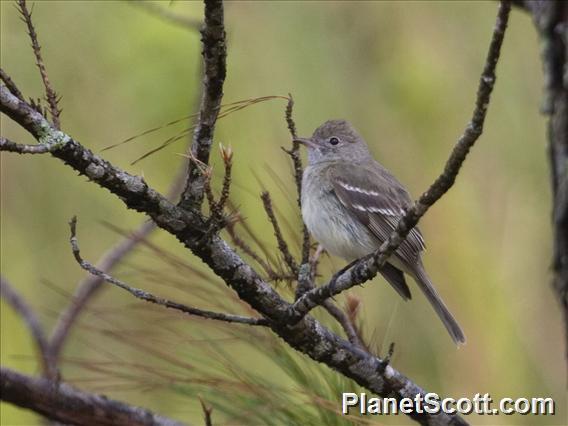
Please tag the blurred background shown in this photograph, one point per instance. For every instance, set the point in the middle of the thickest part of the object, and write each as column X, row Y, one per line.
column 405, row 74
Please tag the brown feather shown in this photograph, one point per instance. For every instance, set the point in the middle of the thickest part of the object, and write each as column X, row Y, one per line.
column 378, row 201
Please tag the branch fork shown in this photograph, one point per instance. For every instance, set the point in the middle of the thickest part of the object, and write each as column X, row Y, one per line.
column 186, row 222
column 367, row 268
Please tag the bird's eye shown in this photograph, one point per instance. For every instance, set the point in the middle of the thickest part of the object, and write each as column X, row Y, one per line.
column 333, row 140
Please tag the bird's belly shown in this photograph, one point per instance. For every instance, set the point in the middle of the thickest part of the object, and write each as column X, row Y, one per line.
column 334, row 228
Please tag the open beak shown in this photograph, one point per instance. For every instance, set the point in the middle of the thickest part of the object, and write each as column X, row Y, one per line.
column 307, row 142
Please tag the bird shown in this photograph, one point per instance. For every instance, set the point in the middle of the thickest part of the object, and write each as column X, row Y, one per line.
column 351, row 204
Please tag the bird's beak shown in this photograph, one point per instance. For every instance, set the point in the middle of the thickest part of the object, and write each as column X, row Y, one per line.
column 307, row 142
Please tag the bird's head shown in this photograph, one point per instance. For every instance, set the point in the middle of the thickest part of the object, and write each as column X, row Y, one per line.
column 335, row 140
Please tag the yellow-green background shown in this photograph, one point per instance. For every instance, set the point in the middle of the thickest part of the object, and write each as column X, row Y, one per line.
column 404, row 73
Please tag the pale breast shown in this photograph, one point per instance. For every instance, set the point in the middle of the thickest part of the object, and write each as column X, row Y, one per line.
column 328, row 220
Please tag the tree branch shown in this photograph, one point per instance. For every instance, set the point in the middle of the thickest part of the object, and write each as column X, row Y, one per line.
column 65, row 404
column 34, row 325
column 366, row 268
column 551, row 21
column 306, row 273
column 8, row 145
column 307, row 336
column 11, row 85
column 50, row 94
column 307, row 281
column 89, row 286
column 207, row 410
column 294, row 153
column 282, row 245
column 217, row 209
column 30, row 119
column 343, row 320
column 215, row 69
column 247, row 249
column 148, row 297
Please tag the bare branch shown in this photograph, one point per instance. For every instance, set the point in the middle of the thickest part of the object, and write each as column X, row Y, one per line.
column 11, row 85
column 207, row 411
column 215, row 69
column 305, row 272
column 89, row 286
column 308, row 272
column 556, row 39
column 217, row 208
column 266, row 252
column 343, row 320
column 551, row 21
column 34, row 325
column 282, row 245
column 148, row 297
column 167, row 15
column 50, row 94
column 307, row 336
column 292, row 125
column 366, row 268
column 209, row 192
column 29, row 118
column 8, row 145
column 247, row 249
column 306, row 283
column 65, row 404
column 227, row 156
column 294, row 153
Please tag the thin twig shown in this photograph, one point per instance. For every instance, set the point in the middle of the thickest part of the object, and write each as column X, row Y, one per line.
column 306, row 283
column 11, row 85
column 282, row 245
column 227, row 156
column 240, row 243
column 305, row 273
column 32, row 321
column 90, row 286
column 290, row 120
column 366, row 268
column 266, row 251
column 215, row 69
column 298, row 171
column 343, row 320
column 207, row 411
column 209, row 193
column 148, row 297
column 217, row 208
column 8, row 145
column 50, row 94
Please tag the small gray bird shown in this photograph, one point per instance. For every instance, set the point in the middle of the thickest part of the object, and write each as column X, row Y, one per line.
column 351, row 204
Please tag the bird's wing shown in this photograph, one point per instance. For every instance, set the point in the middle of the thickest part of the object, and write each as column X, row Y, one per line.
column 379, row 201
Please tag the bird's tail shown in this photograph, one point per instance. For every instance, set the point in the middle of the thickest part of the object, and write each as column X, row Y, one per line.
column 435, row 300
